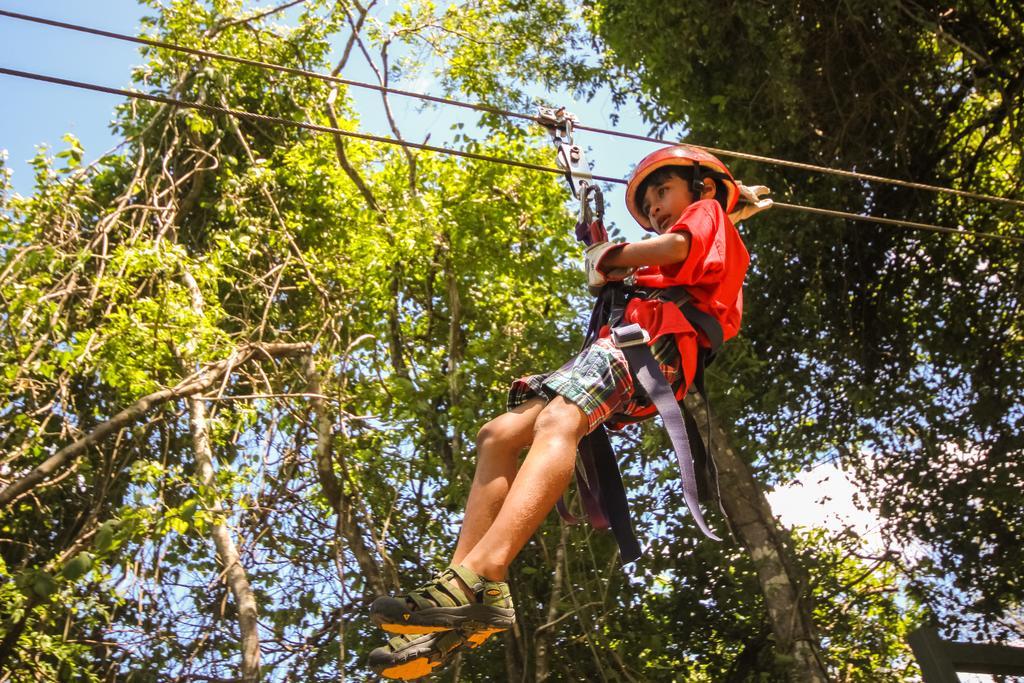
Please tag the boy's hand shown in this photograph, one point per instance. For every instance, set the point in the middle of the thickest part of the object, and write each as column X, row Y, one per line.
column 592, row 258
column 750, row 202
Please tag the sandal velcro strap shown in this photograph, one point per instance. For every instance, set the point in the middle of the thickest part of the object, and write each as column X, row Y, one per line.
column 469, row 577
column 443, row 591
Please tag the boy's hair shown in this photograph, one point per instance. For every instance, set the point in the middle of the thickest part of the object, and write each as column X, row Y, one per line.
column 684, row 173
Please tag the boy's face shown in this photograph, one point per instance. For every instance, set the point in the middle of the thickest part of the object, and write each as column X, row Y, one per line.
column 663, row 203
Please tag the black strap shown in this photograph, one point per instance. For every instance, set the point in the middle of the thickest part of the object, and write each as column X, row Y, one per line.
column 705, row 322
column 643, row 365
column 589, row 485
column 597, row 448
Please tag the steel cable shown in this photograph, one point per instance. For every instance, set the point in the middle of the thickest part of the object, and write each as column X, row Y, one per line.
column 240, row 113
column 855, row 175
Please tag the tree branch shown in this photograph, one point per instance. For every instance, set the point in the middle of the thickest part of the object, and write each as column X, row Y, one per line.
column 346, row 165
column 333, row 490
column 234, row 573
column 189, row 386
column 255, row 17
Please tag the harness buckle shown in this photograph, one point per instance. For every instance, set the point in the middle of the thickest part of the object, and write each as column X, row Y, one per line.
column 629, row 335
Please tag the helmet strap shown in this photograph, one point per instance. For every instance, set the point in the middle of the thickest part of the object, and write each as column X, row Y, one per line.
column 697, row 181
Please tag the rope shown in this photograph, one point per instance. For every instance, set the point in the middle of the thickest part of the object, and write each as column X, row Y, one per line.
column 510, row 114
column 242, row 114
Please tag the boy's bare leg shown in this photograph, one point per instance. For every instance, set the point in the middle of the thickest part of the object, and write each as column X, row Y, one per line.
column 498, row 447
column 545, row 474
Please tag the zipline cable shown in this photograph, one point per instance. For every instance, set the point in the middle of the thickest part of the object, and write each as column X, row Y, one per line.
column 243, row 114
column 268, row 65
column 855, row 175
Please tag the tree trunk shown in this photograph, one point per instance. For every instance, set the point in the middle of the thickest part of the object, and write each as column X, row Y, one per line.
column 234, row 572
column 754, row 525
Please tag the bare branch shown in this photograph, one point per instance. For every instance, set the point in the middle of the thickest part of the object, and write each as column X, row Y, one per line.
column 382, row 79
column 347, row 524
column 252, row 18
column 346, row 165
column 357, row 26
column 227, row 551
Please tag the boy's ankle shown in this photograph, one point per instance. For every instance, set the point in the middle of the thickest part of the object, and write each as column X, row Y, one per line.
column 473, row 583
column 484, row 590
column 465, row 587
column 493, row 573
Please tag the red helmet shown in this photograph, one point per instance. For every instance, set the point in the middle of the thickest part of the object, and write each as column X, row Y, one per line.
column 706, row 163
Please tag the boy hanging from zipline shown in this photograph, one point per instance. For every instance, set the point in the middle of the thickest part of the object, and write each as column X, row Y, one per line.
column 669, row 300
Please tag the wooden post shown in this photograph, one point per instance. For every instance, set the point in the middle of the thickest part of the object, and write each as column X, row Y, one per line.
column 940, row 660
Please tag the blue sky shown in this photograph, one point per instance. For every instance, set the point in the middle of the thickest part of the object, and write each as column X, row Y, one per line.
column 33, row 113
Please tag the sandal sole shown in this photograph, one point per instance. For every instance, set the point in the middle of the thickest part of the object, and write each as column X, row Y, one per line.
column 394, row 616
column 413, row 663
column 424, row 661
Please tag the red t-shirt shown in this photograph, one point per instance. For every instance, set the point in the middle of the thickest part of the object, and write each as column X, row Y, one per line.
column 712, row 273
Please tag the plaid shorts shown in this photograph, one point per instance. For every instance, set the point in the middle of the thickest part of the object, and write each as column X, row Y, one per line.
column 599, row 382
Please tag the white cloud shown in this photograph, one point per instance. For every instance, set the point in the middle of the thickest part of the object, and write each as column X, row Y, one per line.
column 823, row 497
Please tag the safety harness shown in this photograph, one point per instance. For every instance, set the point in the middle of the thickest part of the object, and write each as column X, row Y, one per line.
column 599, row 481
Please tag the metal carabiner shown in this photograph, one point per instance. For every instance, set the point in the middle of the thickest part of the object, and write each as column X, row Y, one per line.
column 590, row 224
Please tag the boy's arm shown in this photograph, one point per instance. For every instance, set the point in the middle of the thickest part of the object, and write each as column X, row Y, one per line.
column 672, row 247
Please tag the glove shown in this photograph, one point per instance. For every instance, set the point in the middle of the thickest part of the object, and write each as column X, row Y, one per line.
column 592, row 258
column 750, row 202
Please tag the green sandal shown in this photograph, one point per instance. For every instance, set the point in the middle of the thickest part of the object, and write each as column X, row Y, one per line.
column 442, row 605
column 408, row 657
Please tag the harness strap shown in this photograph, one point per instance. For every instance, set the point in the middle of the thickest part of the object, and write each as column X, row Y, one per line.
column 596, row 449
column 712, row 329
column 707, row 485
column 589, row 485
column 652, row 379
column 599, row 482
column 705, row 322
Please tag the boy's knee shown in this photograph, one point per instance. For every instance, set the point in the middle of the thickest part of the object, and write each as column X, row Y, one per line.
column 502, row 432
column 562, row 415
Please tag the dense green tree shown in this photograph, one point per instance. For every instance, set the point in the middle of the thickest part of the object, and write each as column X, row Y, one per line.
column 897, row 352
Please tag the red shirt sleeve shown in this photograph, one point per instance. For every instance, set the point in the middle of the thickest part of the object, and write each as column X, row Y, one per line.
column 706, row 260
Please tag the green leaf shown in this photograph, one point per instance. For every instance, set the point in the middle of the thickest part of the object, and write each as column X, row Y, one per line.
column 77, row 566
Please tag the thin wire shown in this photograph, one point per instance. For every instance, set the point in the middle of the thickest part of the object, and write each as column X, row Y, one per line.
column 815, row 168
column 267, row 65
column 892, row 221
column 510, row 114
column 240, row 113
